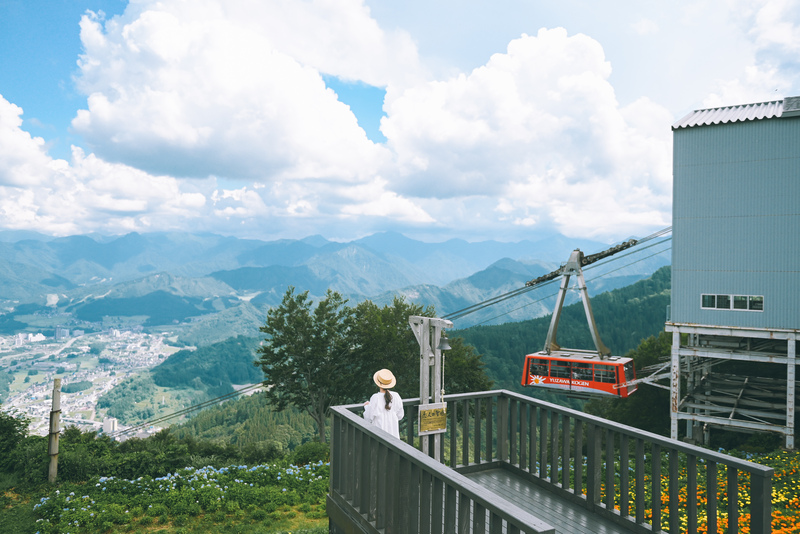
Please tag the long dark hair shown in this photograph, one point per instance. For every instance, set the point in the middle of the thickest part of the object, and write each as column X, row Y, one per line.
column 387, row 396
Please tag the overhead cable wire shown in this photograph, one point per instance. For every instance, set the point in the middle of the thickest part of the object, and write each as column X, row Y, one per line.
column 554, row 294
column 519, row 291
column 184, row 411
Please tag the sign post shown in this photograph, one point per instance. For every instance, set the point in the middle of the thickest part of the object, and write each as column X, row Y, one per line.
column 432, row 409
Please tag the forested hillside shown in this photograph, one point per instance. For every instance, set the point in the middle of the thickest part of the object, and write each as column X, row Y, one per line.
column 624, row 318
column 250, row 421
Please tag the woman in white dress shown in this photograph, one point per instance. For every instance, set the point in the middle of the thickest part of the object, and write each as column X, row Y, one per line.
column 385, row 408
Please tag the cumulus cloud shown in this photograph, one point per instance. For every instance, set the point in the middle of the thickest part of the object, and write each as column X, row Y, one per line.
column 22, row 157
column 234, row 89
column 773, row 28
column 84, row 195
column 214, row 115
column 539, row 130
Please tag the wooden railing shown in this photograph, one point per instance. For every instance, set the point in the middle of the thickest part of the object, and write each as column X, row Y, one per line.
column 380, row 484
column 642, row 481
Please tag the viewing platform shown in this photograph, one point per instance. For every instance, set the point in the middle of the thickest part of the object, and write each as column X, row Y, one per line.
column 512, row 464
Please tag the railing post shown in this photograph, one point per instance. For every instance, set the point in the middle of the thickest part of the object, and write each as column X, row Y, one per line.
column 655, row 485
column 691, row 490
column 513, row 431
column 336, row 466
column 673, row 496
column 733, row 499
column 453, row 409
column 489, row 430
column 610, row 490
column 465, row 434
column 761, row 501
column 450, row 509
column 639, row 483
column 502, row 428
column 593, row 464
column 476, row 457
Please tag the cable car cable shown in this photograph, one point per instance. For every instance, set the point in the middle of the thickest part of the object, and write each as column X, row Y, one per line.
column 519, row 291
column 554, row 294
column 184, row 411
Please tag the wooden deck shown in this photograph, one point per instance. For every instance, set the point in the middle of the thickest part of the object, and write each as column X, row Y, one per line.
column 567, row 517
column 510, row 464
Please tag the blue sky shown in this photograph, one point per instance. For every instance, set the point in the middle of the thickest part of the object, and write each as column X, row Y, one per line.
column 508, row 120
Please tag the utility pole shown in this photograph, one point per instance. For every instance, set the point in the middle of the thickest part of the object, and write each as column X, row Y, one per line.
column 55, row 428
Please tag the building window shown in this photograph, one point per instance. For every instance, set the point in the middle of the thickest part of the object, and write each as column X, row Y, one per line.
column 756, row 303
column 732, row 302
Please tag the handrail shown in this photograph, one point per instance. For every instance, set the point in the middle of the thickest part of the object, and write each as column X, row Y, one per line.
column 616, row 471
column 687, row 448
column 461, row 490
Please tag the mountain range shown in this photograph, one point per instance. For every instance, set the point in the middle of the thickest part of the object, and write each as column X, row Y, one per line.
column 208, row 281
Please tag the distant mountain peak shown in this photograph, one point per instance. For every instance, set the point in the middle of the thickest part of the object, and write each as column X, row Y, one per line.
column 315, row 241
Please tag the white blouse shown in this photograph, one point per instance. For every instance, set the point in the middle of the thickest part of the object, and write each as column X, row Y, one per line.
column 389, row 420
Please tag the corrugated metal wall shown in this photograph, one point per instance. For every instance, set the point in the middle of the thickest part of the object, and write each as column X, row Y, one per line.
column 736, row 221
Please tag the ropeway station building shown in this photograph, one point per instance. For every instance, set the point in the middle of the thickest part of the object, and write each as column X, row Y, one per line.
column 736, row 269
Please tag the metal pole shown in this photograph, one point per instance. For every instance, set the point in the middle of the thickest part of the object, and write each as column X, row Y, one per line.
column 55, row 425
column 428, row 332
column 675, row 384
column 790, row 385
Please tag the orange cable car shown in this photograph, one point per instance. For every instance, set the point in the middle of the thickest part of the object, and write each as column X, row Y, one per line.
column 578, row 371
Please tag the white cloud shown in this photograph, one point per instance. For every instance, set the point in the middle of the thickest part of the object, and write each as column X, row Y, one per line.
column 213, row 115
column 234, row 89
column 373, row 200
column 22, row 158
column 773, row 28
column 84, row 195
column 539, row 132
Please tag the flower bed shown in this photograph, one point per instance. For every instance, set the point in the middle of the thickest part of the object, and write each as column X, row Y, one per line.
column 261, row 493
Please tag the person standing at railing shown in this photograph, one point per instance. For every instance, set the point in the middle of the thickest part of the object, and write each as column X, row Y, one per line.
column 385, row 408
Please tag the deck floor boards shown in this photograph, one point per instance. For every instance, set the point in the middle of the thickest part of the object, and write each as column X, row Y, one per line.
column 565, row 516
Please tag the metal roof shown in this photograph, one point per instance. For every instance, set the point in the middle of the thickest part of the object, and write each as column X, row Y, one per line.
column 787, row 107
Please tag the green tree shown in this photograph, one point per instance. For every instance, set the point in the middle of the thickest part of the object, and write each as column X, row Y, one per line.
column 629, row 411
column 384, row 339
column 307, row 356
column 13, row 429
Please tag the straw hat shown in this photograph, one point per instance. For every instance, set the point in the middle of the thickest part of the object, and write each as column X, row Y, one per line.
column 384, row 379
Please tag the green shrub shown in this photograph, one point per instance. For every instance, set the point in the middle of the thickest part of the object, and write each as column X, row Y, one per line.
column 311, row 452
column 157, row 510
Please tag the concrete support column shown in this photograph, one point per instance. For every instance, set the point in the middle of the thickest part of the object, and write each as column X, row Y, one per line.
column 675, row 385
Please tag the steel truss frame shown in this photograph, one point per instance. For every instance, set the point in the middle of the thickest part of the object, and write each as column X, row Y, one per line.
column 737, row 402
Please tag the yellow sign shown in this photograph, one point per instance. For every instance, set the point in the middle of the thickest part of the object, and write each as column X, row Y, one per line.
column 432, row 418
